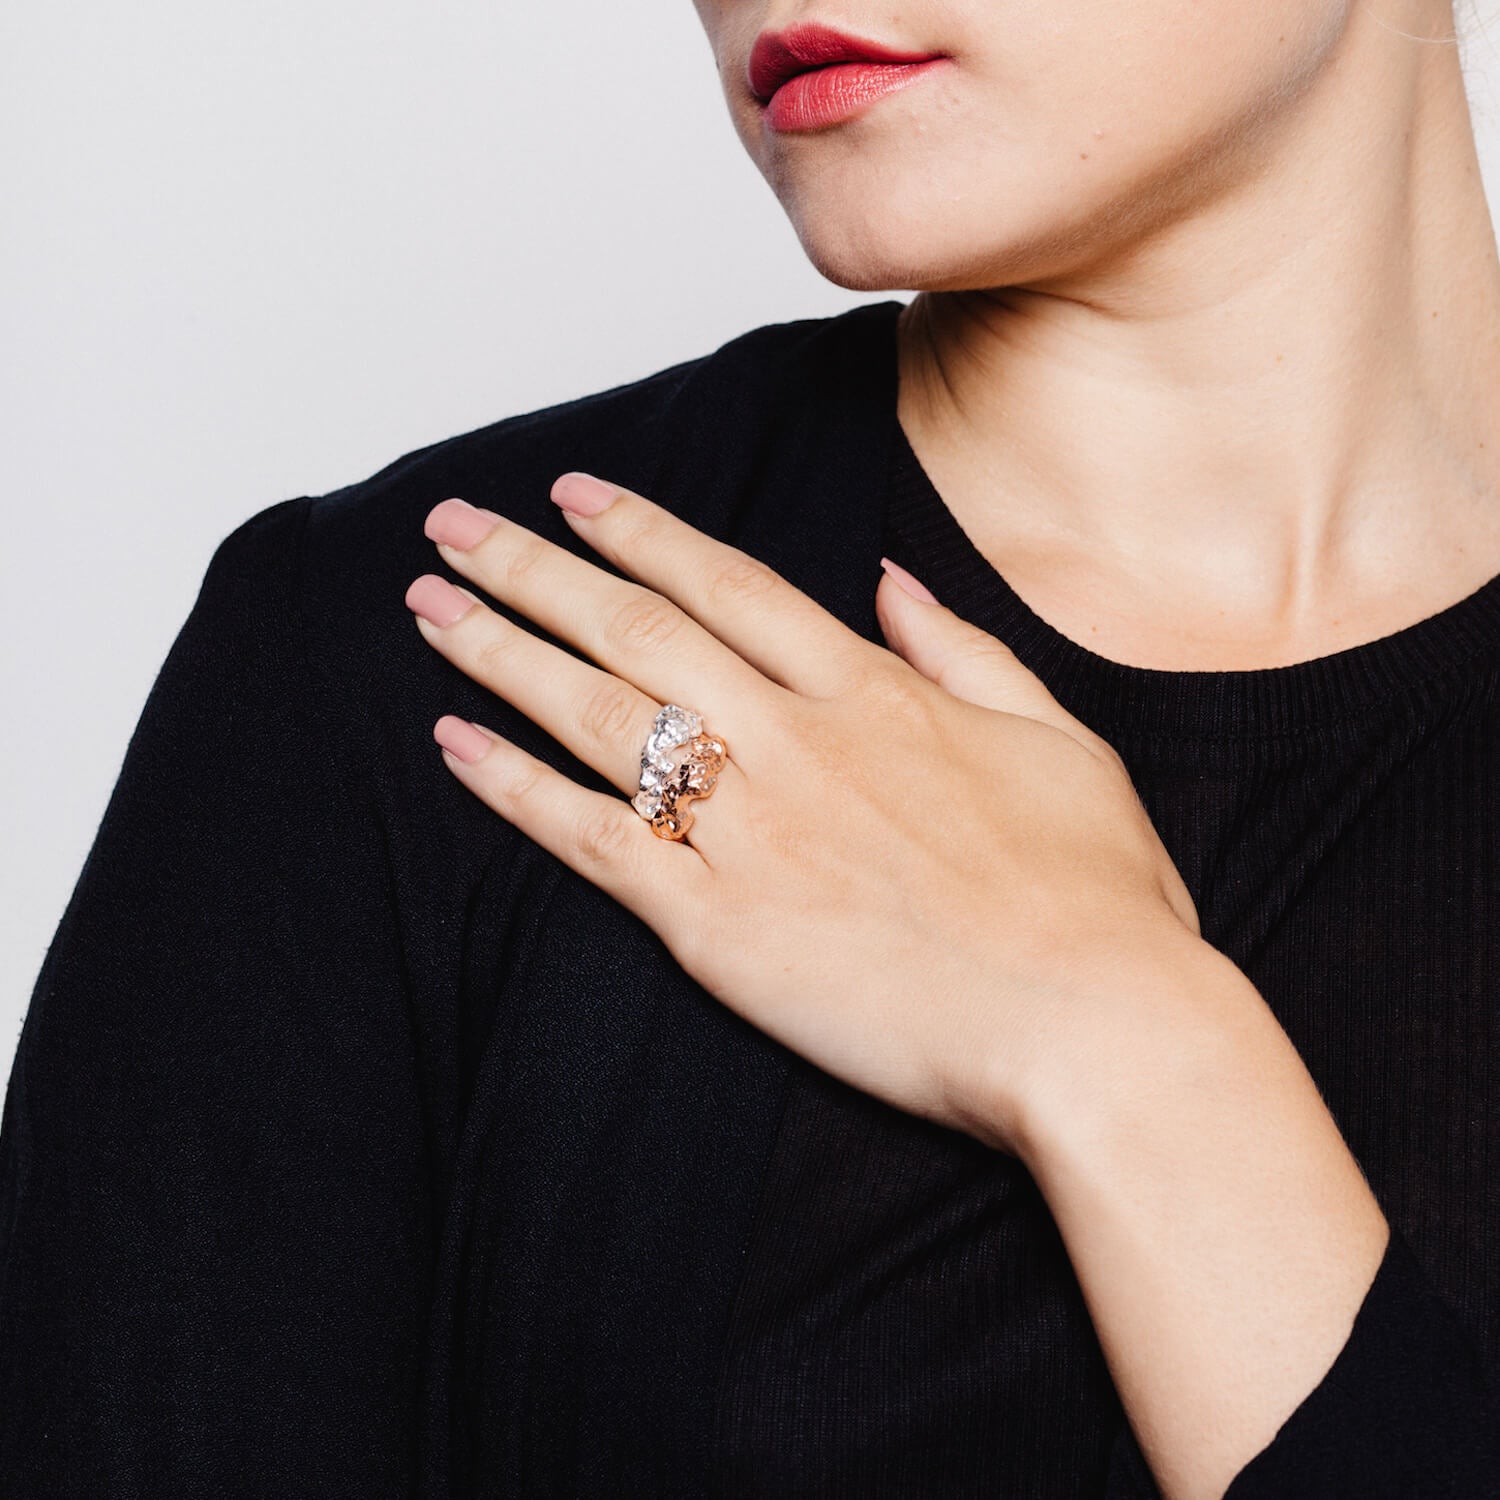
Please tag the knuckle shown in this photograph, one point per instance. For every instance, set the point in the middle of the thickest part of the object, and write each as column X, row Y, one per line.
column 1098, row 746
column 994, row 643
column 894, row 692
column 610, row 716
column 976, row 651
column 600, row 835
column 521, row 555
column 494, row 655
column 742, row 579
column 646, row 623
column 523, row 785
column 636, row 529
column 979, row 645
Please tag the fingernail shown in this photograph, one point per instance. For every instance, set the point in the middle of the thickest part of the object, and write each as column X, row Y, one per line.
column 582, row 493
column 456, row 523
column 467, row 741
column 436, row 599
column 908, row 584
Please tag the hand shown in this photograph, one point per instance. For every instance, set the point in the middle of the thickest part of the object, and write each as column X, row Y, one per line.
column 917, row 870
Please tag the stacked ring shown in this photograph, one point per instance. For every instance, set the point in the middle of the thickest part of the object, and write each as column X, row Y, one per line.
column 679, row 763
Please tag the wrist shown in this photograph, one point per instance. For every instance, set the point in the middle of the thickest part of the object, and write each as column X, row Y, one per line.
column 1178, row 1014
column 1207, row 1202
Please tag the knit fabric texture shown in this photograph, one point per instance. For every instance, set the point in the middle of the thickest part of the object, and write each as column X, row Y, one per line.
column 355, row 1146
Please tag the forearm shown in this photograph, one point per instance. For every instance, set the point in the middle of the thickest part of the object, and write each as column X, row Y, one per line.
column 1221, row 1230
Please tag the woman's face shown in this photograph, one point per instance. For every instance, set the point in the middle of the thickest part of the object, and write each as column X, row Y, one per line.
column 1053, row 134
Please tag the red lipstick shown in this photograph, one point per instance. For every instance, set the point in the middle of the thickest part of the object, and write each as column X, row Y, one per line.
column 809, row 75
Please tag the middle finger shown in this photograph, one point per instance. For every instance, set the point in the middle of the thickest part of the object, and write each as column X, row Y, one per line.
column 600, row 719
column 630, row 630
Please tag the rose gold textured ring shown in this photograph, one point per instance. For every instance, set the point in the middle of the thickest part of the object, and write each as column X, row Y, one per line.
column 678, row 764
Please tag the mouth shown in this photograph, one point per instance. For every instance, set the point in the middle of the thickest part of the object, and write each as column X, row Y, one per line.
column 779, row 56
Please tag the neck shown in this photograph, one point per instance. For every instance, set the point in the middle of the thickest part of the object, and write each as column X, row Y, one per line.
column 1269, row 427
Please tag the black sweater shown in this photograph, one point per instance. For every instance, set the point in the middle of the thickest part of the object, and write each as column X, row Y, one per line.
column 356, row 1147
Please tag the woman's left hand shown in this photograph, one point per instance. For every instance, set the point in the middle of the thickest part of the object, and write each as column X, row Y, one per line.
column 917, row 870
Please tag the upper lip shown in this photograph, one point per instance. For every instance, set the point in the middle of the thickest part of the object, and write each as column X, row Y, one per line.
column 779, row 55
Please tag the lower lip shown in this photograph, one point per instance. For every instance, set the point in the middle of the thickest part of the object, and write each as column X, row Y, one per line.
column 828, row 96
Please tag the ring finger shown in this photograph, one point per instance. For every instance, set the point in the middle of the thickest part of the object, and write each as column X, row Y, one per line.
column 601, row 719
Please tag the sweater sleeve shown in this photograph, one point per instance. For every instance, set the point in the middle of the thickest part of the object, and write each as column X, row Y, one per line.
column 1407, row 1411
column 214, row 1244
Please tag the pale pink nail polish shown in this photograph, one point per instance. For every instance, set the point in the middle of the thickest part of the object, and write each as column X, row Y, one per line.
column 582, row 493
column 462, row 738
column 436, row 599
column 907, row 583
column 456, row 523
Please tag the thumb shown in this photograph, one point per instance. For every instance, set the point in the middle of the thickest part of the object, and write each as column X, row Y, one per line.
column 960, row 657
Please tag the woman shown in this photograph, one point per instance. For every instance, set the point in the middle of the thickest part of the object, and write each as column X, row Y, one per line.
column 1039, row 1042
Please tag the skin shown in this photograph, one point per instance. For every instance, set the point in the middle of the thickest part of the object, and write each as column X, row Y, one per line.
column 1201, row 357
column 1208, row 321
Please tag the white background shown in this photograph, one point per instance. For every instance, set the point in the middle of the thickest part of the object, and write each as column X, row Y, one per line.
column 251, row 252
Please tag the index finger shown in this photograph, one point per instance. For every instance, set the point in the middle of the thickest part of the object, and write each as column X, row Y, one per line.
column 749, row 606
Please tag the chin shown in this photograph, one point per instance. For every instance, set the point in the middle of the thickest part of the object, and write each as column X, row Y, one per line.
column 868, row 236
column 922, row 243
column 862, row 268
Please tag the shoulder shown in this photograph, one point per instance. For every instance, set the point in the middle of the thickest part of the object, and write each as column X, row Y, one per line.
column 339, row 563
column 621, row 432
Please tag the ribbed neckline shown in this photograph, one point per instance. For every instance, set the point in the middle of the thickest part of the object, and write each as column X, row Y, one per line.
column 1254, row 703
